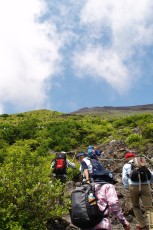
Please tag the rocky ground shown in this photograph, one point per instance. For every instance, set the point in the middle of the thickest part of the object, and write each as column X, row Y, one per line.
column 113, row 159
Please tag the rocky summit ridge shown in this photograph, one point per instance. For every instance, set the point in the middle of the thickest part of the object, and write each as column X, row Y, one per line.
column 115, row 110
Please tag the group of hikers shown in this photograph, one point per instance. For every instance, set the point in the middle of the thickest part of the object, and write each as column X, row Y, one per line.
column 136, row 178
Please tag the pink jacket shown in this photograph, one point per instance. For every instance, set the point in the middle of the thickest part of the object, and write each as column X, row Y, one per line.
column 106, row 194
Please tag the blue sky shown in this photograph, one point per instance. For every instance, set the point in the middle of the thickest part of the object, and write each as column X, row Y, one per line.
column 64, row 55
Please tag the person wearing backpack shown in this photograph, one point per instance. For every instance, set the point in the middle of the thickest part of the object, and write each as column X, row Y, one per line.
column 106, row 197
column 139, row 188
column 93, row 152
column 59, row 166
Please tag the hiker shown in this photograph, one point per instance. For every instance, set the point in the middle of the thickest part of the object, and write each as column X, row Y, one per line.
column 106, row 195
column 95, row 169
column 93, row 152
column 59, row 166
column 138, row 190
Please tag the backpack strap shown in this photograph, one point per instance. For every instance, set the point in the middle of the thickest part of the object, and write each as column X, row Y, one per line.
column 139, row 181
column 148, row 182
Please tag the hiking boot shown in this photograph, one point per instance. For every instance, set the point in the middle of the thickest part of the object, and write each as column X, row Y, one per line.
column 141, row 228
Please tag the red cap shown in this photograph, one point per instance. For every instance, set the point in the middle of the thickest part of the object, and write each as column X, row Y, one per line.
column 128, row 155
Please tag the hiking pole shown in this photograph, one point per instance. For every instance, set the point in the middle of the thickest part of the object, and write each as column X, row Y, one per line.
column 74, row 155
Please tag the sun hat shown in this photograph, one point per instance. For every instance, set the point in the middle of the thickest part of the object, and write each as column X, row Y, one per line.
column 80, row 154
column 129, row 154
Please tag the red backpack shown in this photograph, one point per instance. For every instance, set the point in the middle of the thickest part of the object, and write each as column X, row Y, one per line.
column 60, row 163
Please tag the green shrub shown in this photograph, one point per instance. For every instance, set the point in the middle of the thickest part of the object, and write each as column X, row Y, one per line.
column 28, row 198
column 148, row 131
column 133, row 140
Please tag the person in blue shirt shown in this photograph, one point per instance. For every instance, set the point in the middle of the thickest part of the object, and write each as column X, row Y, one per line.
column 93, row 152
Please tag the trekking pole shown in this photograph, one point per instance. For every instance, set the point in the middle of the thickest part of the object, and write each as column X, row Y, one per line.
column 74, row 155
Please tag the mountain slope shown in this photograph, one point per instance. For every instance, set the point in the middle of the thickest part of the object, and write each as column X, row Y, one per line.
column 116, row 111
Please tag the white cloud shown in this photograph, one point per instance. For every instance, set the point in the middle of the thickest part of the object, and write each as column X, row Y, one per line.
column 129, row 29
column 104, row 39
column 29, row 53
column 105, row 65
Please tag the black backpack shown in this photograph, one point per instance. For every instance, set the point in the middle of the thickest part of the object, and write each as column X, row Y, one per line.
column 60, row 163
column 139, row 170
column 84, row 213
column 100, row 173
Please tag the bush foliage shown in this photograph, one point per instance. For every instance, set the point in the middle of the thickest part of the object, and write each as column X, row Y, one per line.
column 28, row 194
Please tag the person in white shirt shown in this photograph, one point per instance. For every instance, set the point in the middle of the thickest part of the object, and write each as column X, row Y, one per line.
column 136, row 194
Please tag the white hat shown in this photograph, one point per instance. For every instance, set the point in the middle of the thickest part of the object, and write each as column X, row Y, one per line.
column 63, row 152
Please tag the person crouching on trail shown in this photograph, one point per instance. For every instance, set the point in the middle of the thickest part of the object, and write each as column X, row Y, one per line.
column 106, row 195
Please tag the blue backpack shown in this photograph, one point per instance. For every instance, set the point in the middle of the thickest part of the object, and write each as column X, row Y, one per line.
column 100, row 174
column 90, row 148
column 91, row 154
